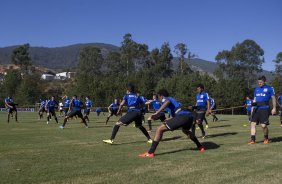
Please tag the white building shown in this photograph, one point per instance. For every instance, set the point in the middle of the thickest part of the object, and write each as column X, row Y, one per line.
column 46, row 76
column 65, row 75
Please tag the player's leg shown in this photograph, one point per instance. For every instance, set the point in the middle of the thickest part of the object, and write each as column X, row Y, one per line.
column 138, row 124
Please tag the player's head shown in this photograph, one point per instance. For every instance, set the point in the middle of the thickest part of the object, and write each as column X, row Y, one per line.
column 162, row 93
column 52, row 97
column 248, row 97
column 138, row 93
column 116, row 101
column 261, row 80
column 87, row 98
column 200, row 88
column 130, row 88
column 74, row 96
column 155, row 96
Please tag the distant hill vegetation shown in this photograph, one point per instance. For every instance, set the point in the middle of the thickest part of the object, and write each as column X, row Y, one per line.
column 64, row 58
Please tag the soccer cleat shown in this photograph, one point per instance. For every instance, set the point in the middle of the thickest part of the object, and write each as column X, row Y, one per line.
column 252, row 142
column 47, row 122
column 201, row 149
column 266, row 141
column 149, row 131
column 207, row 126
column 150, row 141
column 146, row 154
column 61, row 127
column 109, row 141
column 86, row 126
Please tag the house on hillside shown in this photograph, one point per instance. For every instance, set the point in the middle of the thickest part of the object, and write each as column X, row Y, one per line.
column 46, row 76
column 65, row 75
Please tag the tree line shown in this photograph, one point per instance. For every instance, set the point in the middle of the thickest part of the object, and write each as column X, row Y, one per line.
column 104, row 78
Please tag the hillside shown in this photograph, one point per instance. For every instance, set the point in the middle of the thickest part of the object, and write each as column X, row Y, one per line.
column 63, row 58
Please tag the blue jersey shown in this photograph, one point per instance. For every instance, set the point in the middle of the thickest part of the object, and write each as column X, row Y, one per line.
column 248, row 104
column 156, row 104
column 173, row 106
column 114, row 106
column 133, row 102
column 42, row 103
column 263, row 94
column 67, row 103
column 98, row 109
column 88, row 104
column 76, row 104
column 202, row 101
column 8, row 101
column 213, row 105
column 51, row 104
column 280, row 99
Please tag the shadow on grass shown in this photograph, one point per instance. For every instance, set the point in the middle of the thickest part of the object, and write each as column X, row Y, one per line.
column 221, row 120
column 275, row 139
column 171, row 138
column 125, row 143
column 207, row 145
column 222, row 134
column 221, row 126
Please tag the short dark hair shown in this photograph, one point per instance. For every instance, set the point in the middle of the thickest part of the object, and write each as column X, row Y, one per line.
column 163, row 92
column 130, row 87
column 263, row 78
column 75, row 96
column 201, row 86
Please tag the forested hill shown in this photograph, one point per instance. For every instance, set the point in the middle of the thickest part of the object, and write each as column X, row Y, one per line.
column 55, row 58
column 63, row 58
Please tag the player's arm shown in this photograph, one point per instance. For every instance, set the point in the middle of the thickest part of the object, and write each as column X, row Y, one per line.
column 278, row 102
column 209, row 107
column 71, row 104
column 148, row 102
column 120, row 106
column 8, row 104
column 273, row 99
column 165, row 105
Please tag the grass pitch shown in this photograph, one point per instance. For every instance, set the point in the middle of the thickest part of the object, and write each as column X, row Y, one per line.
column 33, row 152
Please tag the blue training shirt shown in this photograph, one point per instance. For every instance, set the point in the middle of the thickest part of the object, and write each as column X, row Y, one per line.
column 133, row 102
column 114, row 106
column 51, row 104
column 202, row 100
column 67, row 103
column 88, row 104
column 173, row 106
column 76, row 104
column 280, row 99
column 248, row 104
column 156, row 104
column 263, row 94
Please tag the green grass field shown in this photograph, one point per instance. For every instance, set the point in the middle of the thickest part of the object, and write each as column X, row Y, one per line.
column 33, row 152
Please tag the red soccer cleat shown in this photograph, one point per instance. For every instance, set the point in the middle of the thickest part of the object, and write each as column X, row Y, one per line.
column 146, row 154
column 265, row 141
column 252, row 142
column 201, row 149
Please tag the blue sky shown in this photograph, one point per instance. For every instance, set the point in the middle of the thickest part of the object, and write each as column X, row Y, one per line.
column 206, row 26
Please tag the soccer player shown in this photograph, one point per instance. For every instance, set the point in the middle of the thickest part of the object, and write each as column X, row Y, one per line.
column 50, row 106
column 66, row 104
column 42, row 108
column 112, row 109
column 156, row 104
column 88, row 106
column 248, row 105
column 74, row 110
column 144, row 108
column 11, row 107
column 134, row 105
column 260, row 111
column 279, row 100
column 98, row 111
column 202, row 108
column 182, row 119
column 213, row 107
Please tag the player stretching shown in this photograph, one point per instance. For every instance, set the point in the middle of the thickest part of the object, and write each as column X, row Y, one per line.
column 11, row 107
column 134, row 105
column 113, row 109
column 183, row 119
column 50, row 106
column 88, row 106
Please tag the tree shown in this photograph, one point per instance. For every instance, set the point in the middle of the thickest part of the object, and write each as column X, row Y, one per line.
column 129, row 50
column 278, row 65
column 181, row 50
column 20, row 57
column 242, row 62
column 12, row 82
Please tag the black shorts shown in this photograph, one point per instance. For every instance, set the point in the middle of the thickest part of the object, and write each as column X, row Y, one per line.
column 249, row 113
column 131, row 116
column 87, row 112
column 261, row 116
column 42, row 109
column 73, row 113
column 114, row 112
column 184, row 120
column 200, row 116
column 161, row 116
column 52, row 112
column 11, row 110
